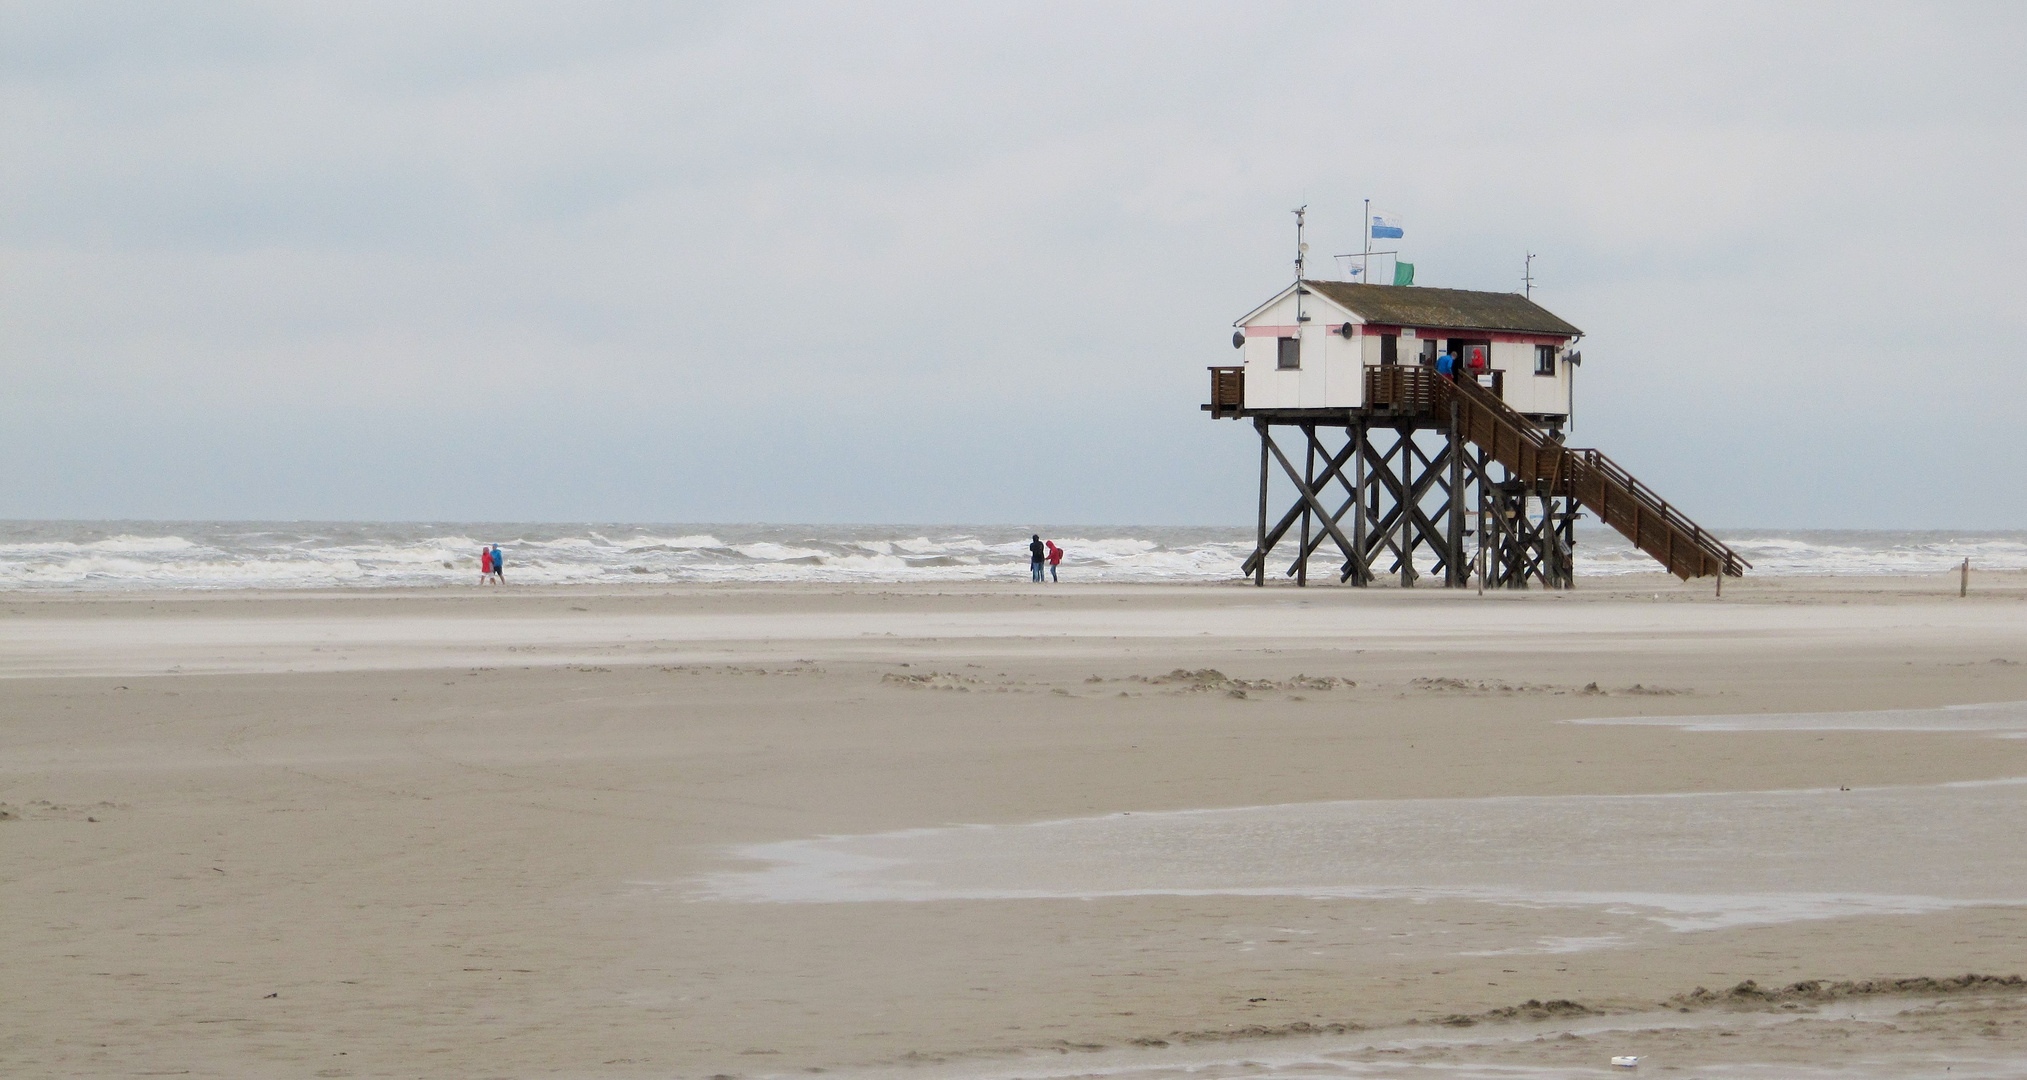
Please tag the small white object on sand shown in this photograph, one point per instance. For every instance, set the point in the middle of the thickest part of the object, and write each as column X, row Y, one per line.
column 1626, row 1062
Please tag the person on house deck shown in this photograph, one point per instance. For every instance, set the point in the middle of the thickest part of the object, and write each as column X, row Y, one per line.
column 1446, row 365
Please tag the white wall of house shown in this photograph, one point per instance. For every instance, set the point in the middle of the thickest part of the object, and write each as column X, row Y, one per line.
column 1525, row 391
column 1332, row 373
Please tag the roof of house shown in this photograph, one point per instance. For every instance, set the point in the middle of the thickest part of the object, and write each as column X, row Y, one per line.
column 1449, row 309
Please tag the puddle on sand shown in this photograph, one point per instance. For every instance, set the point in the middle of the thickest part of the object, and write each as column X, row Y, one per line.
column 2006, row 719
column 1684, row 862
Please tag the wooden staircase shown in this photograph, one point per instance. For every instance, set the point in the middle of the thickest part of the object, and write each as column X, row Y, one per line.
column 1528, row 454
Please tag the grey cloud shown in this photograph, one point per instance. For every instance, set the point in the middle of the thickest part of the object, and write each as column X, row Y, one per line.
column 714, row 230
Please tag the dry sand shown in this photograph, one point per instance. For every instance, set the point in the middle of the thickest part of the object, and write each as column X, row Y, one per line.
column 460, row 833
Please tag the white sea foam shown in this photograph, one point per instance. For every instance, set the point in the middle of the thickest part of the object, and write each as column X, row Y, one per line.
column 127, row 555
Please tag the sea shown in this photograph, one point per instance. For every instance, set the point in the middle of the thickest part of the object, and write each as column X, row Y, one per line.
column 127, row 555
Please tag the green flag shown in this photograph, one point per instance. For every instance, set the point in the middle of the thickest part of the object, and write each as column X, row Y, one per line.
column 1404, row 273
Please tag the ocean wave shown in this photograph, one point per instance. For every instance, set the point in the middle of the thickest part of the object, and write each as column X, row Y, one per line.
column 223, row 555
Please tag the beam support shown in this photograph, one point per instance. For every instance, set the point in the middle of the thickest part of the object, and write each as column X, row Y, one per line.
column 1356, row 431
column 1405, row 496
column 1309, row 497
column 1456, row 572
column 1260, row 541
column 1309, row 485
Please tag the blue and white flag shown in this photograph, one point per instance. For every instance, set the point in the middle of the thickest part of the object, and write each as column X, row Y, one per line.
column 1351, row 273
column 1386, row 226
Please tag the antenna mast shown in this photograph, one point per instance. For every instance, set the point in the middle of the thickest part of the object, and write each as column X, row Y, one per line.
column 1365, row 230
column 1527, row 276
column 1301, row 250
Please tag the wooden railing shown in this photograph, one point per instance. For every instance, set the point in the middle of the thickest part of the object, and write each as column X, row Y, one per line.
column 1402, row 388
column 1528, row 453
column 1597, row 482
column 1510, row 438
column 1644, row 517
column 1228, row 390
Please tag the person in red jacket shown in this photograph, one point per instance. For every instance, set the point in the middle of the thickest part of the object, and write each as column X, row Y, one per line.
column 1055, row 559
column 485, row 566
column 1475, row 360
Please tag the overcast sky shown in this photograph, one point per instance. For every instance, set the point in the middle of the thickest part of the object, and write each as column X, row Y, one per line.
column 967, row 263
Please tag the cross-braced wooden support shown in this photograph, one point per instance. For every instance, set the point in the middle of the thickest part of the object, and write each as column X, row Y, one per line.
column 1527, row 531
column 1391, row 504
column 1405, row 501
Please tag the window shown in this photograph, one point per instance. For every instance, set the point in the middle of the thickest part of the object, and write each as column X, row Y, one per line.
column 1291, row 353
column 1428, row 352
column 1389, row 350
column 1544, row 360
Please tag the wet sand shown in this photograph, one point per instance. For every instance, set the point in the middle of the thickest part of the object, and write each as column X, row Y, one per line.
column 476, row 833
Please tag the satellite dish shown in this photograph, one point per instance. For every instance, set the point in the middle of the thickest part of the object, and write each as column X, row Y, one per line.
column 1238, row 339
column 1344, row 331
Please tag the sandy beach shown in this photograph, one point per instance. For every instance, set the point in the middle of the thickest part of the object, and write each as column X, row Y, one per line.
column 1011, row 830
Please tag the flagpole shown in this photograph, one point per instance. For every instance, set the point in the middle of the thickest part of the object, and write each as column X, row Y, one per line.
column 1365, row 262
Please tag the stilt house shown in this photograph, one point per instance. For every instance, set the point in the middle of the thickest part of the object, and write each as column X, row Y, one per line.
column 1467, row 476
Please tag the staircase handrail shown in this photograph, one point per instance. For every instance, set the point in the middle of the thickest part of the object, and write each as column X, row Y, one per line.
column 1468, row 391
column 1563, row 463
column 1652, row 501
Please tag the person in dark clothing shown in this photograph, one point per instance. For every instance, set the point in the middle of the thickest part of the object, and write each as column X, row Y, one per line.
column 1038, row 557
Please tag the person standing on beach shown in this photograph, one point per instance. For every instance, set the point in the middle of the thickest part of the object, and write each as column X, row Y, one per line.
column 1055, row 560
column 485, row 566
column 499, row 566
column 1036, row 555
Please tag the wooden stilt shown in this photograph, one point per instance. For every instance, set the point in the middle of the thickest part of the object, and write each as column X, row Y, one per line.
column 1484, row 517
column 1456, row 572
column 1260, row 542
column 1403, row 503
column 1569, row 545
column 1358, row 523
column 1309, row 485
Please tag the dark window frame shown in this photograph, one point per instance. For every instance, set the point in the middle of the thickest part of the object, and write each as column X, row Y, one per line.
column 1544, row 360
column 1288, row 354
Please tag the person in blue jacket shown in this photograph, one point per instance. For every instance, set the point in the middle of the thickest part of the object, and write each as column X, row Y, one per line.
column 499, row 565
column 1446, row 365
